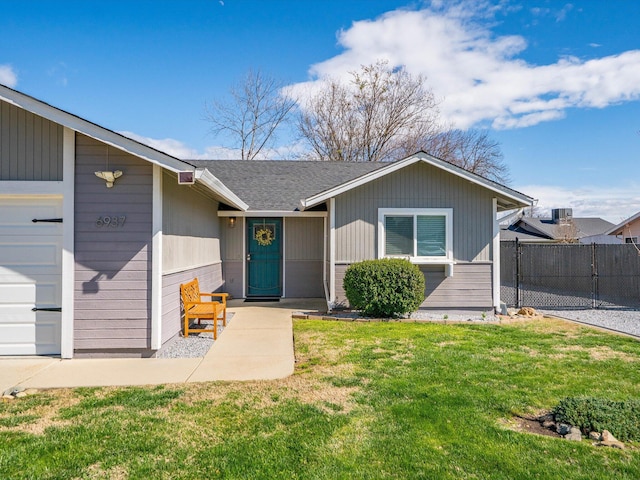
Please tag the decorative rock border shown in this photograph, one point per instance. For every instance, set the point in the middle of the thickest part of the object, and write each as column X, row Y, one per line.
column 17, row 392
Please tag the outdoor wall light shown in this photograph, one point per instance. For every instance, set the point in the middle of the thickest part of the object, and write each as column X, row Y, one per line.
column 109, row 177
column 232, row 222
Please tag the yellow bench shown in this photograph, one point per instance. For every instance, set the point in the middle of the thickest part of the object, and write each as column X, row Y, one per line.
column 196, row 309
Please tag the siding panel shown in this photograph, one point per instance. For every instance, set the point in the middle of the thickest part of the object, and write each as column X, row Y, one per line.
column 30, row 146
column 304, row 257
column 113, row 265
column 469, row 288
column 416, row 186
column 209, row 279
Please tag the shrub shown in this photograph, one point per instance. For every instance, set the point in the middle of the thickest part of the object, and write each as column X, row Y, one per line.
column 387, row 287
column 590, row 414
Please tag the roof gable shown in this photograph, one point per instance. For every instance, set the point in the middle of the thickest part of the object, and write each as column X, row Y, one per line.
column 507, row 198
column 116, row 140
column 616, row 230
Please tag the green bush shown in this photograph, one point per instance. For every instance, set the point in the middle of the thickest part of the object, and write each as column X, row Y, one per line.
column 385, row 288
column 590, row 414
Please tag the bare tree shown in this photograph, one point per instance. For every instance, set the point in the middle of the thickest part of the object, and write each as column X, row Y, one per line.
column 371, row 118
column 252, row 115
column 472, row 150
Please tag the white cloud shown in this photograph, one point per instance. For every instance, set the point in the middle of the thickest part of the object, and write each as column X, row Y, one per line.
column 480, row 75
column 613, row 203
column 8, row 76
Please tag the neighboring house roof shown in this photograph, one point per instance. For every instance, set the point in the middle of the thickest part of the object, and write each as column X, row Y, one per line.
column 619, row 229
column 541, row 229
column 116, row 140
column 513, row 233
column 277, row 185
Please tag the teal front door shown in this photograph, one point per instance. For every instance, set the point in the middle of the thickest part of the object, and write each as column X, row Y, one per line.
column 264, row 257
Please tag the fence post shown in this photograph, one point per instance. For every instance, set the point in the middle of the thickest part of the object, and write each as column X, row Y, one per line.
column 594, row 277
column 518, row 274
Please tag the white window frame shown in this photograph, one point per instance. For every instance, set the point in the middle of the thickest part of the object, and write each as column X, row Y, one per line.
column 416, row 212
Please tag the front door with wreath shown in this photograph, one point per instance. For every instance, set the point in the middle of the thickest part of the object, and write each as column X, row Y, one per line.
column 264, row 257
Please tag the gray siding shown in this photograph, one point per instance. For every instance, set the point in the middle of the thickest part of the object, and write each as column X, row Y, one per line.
column 232, row 256
column 416, row 186
column 30, row 146
column 303, row 257
column 232, row 277
column 469, row 288
column 209, row 279
column 113, row 265
column 190, row 227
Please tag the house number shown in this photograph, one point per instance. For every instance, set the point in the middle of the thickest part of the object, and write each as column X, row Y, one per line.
column 113, row 221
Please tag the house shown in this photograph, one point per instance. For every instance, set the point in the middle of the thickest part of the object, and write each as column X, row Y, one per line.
column 97, row 231
column 627, row 231
column 561, row 227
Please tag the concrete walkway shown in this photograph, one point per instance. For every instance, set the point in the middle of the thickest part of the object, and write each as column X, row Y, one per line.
column 256, row 345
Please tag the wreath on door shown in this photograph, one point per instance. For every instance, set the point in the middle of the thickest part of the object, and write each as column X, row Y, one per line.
column 264, row 236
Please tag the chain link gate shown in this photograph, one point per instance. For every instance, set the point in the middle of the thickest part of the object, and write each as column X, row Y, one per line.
column 571, row 276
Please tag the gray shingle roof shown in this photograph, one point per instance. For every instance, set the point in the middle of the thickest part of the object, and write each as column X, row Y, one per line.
column 584, row 227
column 281, row 184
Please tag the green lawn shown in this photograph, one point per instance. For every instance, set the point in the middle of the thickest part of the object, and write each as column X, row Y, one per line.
column 368, row 400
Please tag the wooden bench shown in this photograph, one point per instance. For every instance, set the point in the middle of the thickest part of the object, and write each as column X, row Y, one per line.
column 196, row 309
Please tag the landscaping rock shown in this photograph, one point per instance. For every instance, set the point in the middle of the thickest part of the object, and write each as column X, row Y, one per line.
column 20, row 394
column 595, row 436
column 609, row 440
column 550, row 424
column 527, row 312
column 574, row 434
column 6, row 398
column 563, row 428
column 31, row 391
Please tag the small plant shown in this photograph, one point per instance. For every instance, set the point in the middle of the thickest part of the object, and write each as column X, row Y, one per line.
column 590, row 414
column 445, row 317
column 484, row 315
column 386, row 288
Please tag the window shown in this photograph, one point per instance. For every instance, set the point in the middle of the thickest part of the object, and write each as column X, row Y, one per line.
column 419, row 234
column 633, row 240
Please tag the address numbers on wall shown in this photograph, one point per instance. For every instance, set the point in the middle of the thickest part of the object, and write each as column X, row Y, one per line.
column 111, row 221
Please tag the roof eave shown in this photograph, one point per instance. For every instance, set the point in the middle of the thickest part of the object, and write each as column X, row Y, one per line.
column 622, row 224
column 209, row 180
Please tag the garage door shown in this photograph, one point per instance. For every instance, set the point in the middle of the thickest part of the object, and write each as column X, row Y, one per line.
column 30, row 276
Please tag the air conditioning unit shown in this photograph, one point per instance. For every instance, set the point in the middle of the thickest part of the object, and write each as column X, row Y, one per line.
column 562, row 215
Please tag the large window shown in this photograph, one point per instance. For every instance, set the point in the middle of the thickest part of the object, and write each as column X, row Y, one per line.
column 417, row 234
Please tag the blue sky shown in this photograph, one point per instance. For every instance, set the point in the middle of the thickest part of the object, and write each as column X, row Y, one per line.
column 556, row 83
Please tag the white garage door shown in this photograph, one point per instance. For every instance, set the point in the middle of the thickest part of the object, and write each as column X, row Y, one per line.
column 30, row 276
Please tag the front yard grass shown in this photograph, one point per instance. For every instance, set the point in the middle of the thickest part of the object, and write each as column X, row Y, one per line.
column 368, row 400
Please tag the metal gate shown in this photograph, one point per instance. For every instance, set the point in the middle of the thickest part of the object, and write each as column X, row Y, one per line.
column 572, row 276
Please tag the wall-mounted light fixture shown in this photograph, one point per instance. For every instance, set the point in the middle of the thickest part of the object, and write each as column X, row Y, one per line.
column 109, row 177
column 232, row 222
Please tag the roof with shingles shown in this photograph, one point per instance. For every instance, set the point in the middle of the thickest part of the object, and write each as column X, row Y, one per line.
column 584, row 227
column 279, row 185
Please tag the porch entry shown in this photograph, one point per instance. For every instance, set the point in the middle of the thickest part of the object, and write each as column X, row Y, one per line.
column 264, row 257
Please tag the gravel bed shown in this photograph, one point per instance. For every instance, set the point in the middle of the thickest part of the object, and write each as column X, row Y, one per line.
column 194, row 346
column 620, row 320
